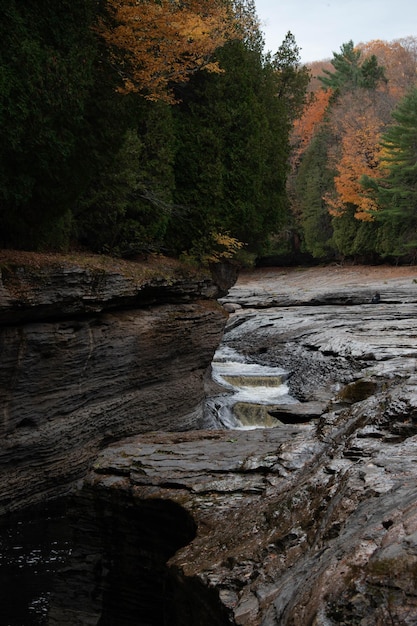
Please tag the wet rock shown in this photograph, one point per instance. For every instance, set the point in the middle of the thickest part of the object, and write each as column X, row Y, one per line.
column 292, row 523
column 298, row 412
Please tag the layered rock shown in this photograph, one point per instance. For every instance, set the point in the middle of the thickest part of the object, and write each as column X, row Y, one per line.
column 306, row 523
column 93, row 353
column 294, row 525
column 311, row 522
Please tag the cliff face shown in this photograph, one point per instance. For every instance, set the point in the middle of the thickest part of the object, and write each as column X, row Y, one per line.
column 91, row 354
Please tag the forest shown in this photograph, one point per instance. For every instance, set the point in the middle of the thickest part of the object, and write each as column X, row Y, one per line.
column 138, row 126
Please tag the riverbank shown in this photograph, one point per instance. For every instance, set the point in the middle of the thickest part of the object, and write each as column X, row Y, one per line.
column 277, row 286
column 313, row 521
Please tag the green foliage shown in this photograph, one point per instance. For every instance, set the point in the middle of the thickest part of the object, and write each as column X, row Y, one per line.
column 351, row 72
column 79, row 162
column 396, row 191
column 292, row 78
column 314, row 180
column 127, row 209
column 232, row 158
column 46, row 73
column 353, row 238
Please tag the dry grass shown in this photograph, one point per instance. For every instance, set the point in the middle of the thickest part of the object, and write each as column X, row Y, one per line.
column 151, row 266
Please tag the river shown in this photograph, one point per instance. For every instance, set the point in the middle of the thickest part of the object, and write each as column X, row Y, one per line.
column 257, row 370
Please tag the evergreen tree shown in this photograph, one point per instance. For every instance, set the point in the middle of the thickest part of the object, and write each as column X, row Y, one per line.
column 313, row 181
column 351, row 71
column 58, row 116
column 231, row 163
column 353, row 238
column 127, row 207
column 292, row 78
column 396, row 191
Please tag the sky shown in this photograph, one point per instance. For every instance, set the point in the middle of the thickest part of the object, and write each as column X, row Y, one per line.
column 320, row 27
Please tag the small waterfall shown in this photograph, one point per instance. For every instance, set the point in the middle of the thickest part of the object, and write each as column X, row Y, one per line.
column 251, row 390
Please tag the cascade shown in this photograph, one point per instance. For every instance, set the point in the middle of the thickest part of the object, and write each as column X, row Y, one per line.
column 251, row 392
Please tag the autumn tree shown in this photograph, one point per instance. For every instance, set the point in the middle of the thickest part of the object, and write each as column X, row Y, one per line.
column 399, row 60
column 356, row 120
column 157, row 44
column 306, row 126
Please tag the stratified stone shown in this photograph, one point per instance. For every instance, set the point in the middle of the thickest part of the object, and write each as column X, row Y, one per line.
column 292, row 523
column 311, row 523
column 77, row 372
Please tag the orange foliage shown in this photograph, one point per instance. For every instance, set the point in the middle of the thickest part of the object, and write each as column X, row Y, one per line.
column 360, row 155
column 156, row 44
column 317, row 69
column 305, row 127
column 398, row 59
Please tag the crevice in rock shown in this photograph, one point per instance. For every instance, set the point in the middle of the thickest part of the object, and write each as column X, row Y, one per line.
column 27, row 423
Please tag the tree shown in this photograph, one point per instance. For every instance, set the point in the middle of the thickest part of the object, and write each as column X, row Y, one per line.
column 157, row 44
column 231, row 163
column 358, row 154
column 314, row 180
column 127, row 208
column 351, row 70
column 55, row 95
column 292, row 78
column 306, row 126
column 353, row 238
column 399, row 60
column 395, row 191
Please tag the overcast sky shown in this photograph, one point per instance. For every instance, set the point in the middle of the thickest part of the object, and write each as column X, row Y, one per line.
column 320, row 27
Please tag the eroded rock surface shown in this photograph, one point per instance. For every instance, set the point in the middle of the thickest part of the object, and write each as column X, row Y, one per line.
column 90, row 355
column 311, row 523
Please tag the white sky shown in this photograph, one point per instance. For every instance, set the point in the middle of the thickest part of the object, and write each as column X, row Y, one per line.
column 320, row 27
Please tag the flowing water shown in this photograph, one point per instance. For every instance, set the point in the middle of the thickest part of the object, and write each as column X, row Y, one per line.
column 34, row 546
column 250, row 391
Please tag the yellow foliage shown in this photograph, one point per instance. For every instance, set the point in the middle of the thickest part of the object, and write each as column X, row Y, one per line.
column 226, row 247
column 213, row 248
column 157, row 44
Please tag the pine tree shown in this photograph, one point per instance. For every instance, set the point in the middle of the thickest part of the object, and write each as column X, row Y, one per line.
column 351, row 71
column 292, row 77
column 396, row 190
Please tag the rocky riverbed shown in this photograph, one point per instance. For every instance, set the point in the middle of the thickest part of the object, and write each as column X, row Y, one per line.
column 312, row 522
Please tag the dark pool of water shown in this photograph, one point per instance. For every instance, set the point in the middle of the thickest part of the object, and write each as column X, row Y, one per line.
column 33, row 546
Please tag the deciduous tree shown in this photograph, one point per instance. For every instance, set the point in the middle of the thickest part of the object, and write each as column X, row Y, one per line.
column 358, row 154
column 399, row 60
column 305, row 127
column 157, row 44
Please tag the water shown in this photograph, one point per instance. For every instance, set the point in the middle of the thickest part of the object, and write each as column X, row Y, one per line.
column 36, row 545
column 33, row 546
column 250, row 390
